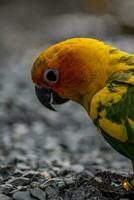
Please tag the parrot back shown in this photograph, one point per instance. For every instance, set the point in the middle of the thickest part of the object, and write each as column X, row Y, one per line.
column 112, row 111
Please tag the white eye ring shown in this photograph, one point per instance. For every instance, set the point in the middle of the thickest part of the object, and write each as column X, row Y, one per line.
column 51, row 75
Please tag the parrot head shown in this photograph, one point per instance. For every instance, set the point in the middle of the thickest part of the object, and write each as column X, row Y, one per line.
column 69, row 70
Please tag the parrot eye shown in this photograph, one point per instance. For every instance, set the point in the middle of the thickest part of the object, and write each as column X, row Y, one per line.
column 51, row 75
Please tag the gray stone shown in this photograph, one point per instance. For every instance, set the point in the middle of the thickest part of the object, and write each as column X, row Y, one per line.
column 38, row 193
column 124, row 199
column 51, row 193
column 6, row 188
column 19, row 181
column 23, row 166
column 4, row 197
column 30, row 174
column 77, row 168
column 22, row 196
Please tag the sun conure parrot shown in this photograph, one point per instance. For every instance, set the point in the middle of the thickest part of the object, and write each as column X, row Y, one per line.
column 97, row 76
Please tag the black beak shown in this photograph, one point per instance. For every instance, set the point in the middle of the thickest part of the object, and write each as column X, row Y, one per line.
column 48, row 96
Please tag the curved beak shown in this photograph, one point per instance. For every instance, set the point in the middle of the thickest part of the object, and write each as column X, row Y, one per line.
column 48, row 96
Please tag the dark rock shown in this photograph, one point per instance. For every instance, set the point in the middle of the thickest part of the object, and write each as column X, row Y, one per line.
column 24, row 195
column 18, row 188
column 30, row 174
column 52, row 193
column 6, row 188
column 1, row 179
column 20, row 181
column 4, row 197
column 70, row 180
column 18, row 173
column 38, row 193
column 7, row 171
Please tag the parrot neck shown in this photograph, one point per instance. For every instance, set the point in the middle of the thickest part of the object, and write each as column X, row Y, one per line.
column 86, row 101
column 114, row 61
column 121, row 61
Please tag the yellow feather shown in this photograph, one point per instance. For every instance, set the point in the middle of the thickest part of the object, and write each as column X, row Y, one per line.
column 106, row 97
column 117, row 131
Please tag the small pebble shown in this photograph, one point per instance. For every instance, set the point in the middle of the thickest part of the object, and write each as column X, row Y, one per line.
column 6, row 188
column 4, row 197
column 22, row 196
column 77, row 168
column 21, row 181
column 38, row 193
column 30, row 174
column 46, row 175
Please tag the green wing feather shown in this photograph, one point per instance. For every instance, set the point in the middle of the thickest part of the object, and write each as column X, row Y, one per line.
column 112, row 110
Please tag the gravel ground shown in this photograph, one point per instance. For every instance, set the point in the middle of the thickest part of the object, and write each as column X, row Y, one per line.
column 44, row 154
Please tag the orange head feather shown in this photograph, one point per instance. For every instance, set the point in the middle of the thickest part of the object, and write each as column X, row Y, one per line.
column 82, row 65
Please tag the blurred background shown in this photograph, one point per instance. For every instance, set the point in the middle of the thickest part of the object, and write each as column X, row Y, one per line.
column 29, row 132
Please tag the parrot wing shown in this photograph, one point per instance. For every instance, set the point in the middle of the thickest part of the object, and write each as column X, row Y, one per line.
column 112, row 110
